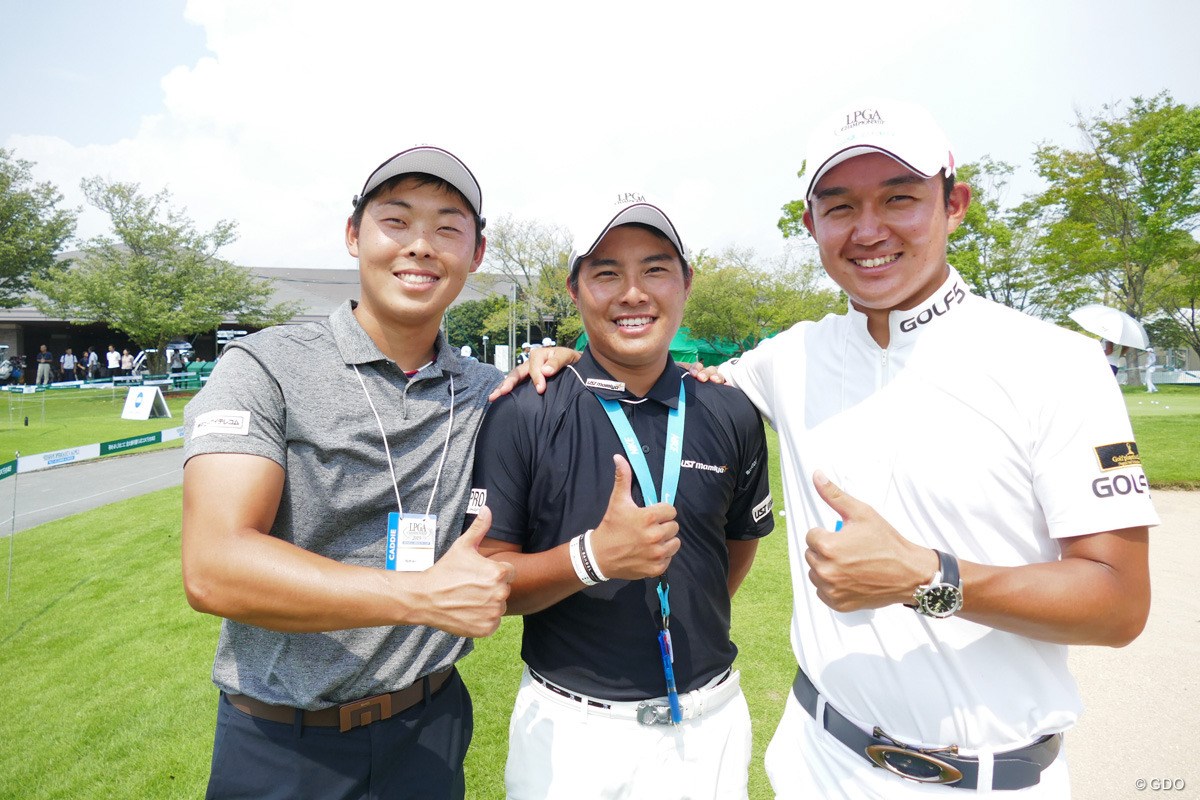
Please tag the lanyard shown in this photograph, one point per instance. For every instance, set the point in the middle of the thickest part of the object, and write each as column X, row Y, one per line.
column 670, row 483
column 637, row 459
column 388, row 450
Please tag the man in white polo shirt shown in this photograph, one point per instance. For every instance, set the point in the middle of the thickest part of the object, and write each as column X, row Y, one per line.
column 960, row 512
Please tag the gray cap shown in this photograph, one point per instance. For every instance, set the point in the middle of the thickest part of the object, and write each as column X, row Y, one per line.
column 431, row 161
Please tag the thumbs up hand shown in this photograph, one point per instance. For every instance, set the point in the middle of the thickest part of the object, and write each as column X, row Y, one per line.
column 469, row 593
column 632, row 542
column 867, row 564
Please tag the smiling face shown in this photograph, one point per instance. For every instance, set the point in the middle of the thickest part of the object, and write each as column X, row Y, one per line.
column 881, row 231
column 630, row 295
column 415, row 247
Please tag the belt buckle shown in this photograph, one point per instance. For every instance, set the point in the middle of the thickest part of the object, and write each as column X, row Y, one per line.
column 913, row 763
column 652, row 714
column 364, row 712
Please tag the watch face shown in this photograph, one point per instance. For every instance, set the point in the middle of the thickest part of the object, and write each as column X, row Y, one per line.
column 940, row 600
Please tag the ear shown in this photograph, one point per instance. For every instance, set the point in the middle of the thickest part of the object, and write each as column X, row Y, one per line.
column 479, row 251
column 351, row 237
column 956, row 208
column 808, row 222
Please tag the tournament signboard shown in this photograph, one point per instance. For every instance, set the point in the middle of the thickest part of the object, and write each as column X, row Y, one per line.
column 144, row 402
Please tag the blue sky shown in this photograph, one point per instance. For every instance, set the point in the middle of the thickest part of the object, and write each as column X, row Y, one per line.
column 272, row 113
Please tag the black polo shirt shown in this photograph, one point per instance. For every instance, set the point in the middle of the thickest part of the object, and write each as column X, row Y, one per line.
column 545, row 462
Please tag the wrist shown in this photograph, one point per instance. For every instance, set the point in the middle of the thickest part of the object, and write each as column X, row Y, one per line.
column 583, row 560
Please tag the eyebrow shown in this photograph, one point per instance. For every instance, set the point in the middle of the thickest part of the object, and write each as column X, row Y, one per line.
column 406, row 205
column 612, row 262
column 907, row 179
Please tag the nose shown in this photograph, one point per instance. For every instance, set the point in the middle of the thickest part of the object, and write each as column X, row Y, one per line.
column 419, row 247
column 634, row 294
column 869, row 227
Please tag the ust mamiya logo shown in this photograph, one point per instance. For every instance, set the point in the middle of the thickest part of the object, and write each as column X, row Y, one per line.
column 866, row 116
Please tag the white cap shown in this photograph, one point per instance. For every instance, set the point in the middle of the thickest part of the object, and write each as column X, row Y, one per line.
column 902, row 131
column 628, row 207
column 432, row 161
column 547, row 342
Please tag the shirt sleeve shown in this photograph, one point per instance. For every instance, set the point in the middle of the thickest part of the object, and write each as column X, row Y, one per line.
column 503, row 471
column 1086, row 470
column 751, row 512
column 240, row 410
column 754, row 373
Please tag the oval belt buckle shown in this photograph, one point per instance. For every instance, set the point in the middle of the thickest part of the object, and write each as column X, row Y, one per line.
column 914, row 765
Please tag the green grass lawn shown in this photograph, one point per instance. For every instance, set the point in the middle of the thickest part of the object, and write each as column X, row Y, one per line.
column 61, row 419
column 1166, row 425
column 105, row 668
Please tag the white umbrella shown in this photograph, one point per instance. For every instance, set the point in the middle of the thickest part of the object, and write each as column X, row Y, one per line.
column 1109, row 323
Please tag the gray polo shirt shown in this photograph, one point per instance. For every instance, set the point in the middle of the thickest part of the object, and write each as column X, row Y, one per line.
column 290, row 394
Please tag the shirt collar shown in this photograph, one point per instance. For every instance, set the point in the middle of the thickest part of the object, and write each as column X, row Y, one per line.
column 357, row 347
column 907, row 326
column 598, row 381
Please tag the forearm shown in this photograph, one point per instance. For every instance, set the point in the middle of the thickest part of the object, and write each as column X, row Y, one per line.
column 1077, row 600
column 541, row 579
column 261, row 580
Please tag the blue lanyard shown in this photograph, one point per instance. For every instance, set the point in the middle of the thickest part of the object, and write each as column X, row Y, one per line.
column 670, row 483
column 637, row 459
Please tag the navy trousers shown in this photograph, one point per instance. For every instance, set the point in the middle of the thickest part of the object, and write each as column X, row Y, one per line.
column 416, row 754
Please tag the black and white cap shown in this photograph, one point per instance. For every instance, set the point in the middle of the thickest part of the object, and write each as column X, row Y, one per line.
column 627, row 207
column 432, row 161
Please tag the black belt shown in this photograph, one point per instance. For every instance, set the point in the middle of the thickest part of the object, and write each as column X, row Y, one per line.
column 1014, row 769
column 558, row 690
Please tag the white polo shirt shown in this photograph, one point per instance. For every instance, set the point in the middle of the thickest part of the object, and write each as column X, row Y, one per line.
column 979, row 431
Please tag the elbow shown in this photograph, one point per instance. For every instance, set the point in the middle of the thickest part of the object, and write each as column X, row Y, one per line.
column 1123, row 628
column 200, row 589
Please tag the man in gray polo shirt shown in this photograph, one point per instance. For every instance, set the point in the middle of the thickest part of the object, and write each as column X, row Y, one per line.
column 325, row 483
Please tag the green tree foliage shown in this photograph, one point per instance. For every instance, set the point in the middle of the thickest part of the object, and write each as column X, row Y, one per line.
column 734, row 299
column 469, row 321
column 158, row 277
column 1120, row 212
column 534, row 255
column 32, row 228
column 995, row 247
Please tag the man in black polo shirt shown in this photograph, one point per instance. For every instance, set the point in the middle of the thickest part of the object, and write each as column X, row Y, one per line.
column 625, row 581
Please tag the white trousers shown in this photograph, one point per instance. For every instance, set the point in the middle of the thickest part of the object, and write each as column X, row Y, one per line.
column 561, row 748
column 804, row 762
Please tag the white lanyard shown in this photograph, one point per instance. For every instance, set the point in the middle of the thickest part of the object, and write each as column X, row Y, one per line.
column 391, row 468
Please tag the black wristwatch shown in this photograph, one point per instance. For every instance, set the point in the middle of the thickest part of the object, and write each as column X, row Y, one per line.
column 943, row 595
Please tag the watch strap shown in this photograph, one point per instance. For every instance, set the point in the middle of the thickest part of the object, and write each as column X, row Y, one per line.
column 948, row 567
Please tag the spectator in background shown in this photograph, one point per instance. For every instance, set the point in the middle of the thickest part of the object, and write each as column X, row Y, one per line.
column 93, row 363
column 112, row 360
column 126, row 362
column 66, row 364
column 45, row 363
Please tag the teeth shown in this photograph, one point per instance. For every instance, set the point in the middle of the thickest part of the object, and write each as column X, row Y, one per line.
column 633, row 322
column 876, row 262
column 409, row 278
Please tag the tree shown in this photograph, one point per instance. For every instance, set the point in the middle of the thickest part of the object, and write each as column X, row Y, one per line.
column 994, row 248
column 469, row 321
column 32, row 228
column 159, row 278
column 1120, row 212
column 533, row 255
column 736, row 300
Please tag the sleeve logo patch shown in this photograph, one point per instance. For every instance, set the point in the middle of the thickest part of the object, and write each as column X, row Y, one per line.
column 478, row 500
column 232, row 422
column 762, row 510
column 1118, row 455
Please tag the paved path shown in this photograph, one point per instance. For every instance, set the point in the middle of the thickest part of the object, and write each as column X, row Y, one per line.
column 1142, row 702
column 51, row 494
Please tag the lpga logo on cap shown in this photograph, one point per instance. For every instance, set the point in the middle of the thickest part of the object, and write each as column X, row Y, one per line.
column 864, row 116
column 625, row 198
